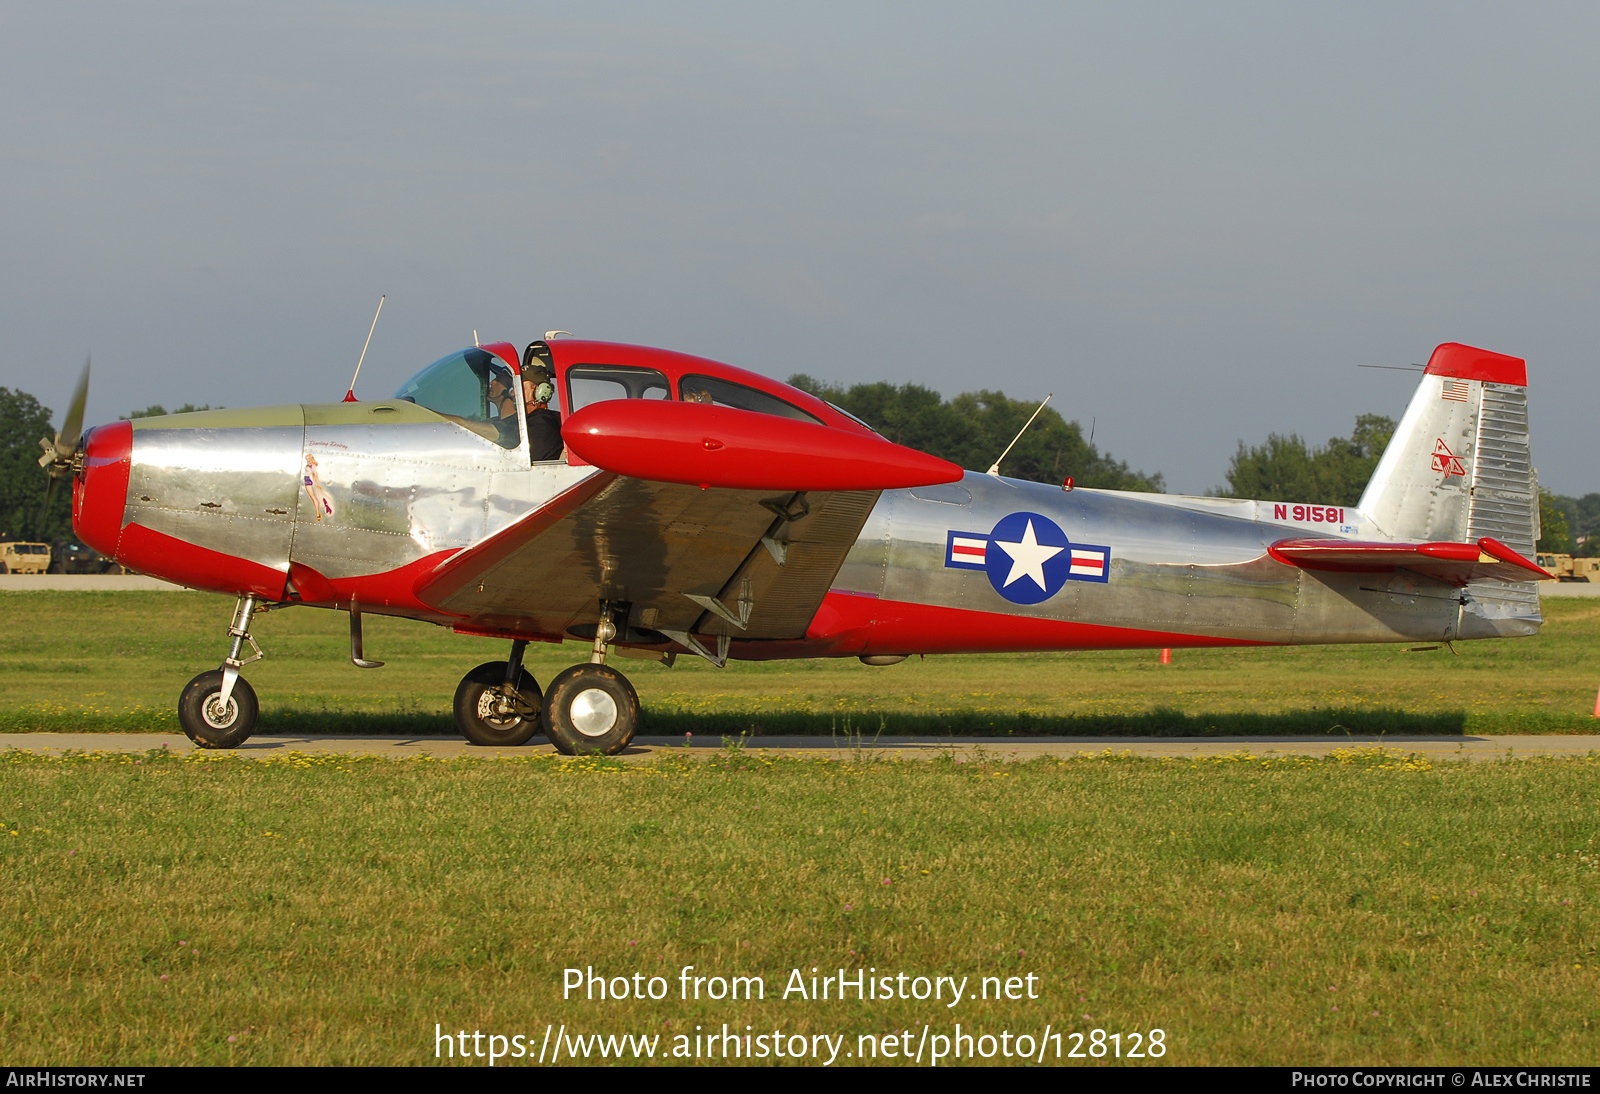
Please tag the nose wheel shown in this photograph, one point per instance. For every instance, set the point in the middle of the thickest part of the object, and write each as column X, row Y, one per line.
column 590, row 708
column 213, row 720
column 218, row 709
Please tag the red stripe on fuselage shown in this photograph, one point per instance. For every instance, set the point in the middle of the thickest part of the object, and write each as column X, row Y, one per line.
column 853, row 625
column 160, row 555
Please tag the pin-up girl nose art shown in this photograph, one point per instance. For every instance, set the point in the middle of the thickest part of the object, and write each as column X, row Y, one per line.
column 320, row 502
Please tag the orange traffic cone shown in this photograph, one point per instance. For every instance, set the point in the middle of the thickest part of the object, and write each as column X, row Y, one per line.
column 1166, row 659
column 1597, row 704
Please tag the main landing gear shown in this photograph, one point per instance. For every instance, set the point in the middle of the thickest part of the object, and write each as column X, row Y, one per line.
column 588, row 708
column 498, row 702
column 218, row 709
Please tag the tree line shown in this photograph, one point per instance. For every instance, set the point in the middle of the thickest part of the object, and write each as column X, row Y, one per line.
column 973, row 429
column 970, row 430
column 1337, row 473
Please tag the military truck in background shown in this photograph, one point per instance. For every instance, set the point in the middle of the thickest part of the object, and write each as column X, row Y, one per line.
column 1567, row 568
column 72, row 557
column 24, row 558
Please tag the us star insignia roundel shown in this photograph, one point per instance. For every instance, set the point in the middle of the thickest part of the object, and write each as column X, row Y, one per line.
column 1028, row 557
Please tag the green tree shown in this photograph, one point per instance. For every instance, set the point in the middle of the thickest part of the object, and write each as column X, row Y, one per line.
column 156, row 410
column 974, row 428
column 1554, row 536
column 1284, row 467
column 1583, row 522
column 23, row 422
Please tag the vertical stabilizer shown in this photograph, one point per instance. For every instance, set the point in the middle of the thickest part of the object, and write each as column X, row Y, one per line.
column 1459, row 468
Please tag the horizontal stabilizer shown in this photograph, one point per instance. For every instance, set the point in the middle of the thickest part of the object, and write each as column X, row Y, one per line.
column 1457, row 563
column 699, row 445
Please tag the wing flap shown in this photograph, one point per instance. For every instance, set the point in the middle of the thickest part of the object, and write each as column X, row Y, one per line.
column 785, row 577
column 1456, row 563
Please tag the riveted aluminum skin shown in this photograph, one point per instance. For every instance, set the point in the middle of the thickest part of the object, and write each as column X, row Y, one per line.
column 402, row 484
column 229, row 487
column 405, row 484
column 1194, row 566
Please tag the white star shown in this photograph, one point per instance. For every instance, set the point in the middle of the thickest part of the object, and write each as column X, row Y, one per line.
column 1028, row 557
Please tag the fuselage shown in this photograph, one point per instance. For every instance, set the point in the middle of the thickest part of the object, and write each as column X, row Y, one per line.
column 356, row 502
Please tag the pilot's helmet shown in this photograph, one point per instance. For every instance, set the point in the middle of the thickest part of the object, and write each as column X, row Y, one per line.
column 500, row 375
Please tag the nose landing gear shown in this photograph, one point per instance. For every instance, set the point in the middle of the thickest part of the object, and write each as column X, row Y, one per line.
column 218, row 709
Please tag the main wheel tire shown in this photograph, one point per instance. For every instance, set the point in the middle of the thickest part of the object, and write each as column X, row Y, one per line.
column 209, row 726
column 484, row 716
column 590, row 708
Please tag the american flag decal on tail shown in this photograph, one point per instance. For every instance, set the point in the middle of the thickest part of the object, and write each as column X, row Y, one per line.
column 1456, row 390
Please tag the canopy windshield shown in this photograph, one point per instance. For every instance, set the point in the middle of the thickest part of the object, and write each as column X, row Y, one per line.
column 457, row 387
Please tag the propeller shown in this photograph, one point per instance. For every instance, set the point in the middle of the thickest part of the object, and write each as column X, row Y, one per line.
column 61, row 457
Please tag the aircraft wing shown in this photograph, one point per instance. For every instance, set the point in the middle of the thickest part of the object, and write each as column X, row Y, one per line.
column 707, row 520
column 1457, row 563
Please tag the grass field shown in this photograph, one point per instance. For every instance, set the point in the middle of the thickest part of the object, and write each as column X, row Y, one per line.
column 117, row 661
column 1361, row 909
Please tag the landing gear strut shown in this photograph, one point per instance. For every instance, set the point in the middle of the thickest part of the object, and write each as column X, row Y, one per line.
column 218, row 709
column 588, row 708
column 498, row 702
column 592, row 707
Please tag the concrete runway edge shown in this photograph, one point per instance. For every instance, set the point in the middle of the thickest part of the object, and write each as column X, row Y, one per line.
column 1004, row 749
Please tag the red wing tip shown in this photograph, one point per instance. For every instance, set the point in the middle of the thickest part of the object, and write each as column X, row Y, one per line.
column 1470, row 363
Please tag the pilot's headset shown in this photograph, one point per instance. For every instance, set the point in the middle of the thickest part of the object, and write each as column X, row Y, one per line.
column 543, row 389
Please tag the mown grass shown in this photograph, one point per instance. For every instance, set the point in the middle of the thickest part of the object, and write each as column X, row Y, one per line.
column 117, row 661
column 1360, row 909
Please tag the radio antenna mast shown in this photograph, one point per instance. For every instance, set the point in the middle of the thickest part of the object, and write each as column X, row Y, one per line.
column 350, row 396
column 994, row 468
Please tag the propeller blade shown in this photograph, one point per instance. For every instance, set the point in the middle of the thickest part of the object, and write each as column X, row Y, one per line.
column 72, row 424
column 57, row 458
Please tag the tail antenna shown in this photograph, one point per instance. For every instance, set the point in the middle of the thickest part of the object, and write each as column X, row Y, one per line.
column 994, row 468
column 350, row 396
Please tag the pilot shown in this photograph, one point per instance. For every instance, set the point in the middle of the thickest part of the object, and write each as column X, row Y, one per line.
column 696, row 394
column 503, row 407
column 544, row 424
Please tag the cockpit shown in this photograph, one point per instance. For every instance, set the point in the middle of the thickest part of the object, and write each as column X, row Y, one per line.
column 478, row 389
column 473, row 388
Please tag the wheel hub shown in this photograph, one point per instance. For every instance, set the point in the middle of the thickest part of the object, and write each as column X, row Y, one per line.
column 216, row 715
column 495, row 709
column 593, row 712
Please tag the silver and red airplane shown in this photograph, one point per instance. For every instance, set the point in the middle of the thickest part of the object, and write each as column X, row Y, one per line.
column 700, row 509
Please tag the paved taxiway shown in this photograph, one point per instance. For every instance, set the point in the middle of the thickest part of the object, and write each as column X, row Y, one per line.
column 994, row 748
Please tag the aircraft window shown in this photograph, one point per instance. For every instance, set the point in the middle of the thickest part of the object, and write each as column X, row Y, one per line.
column 709, row 389
column 597, row 383
column 457, row 387
column 852, row 417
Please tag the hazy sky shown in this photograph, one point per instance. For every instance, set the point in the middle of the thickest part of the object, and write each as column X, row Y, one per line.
column 1189, row 221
